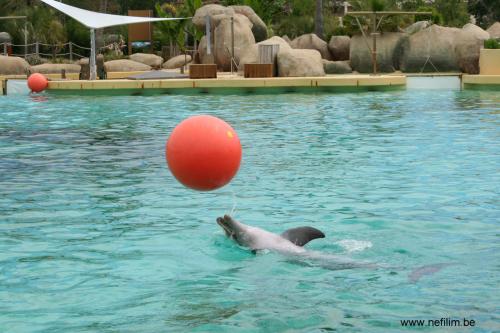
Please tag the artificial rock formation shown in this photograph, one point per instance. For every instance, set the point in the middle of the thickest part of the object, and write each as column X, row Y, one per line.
column 212, row 11
column 312, row 42
column 416, row 27
column 13, row 66
column 389, row 46
column 494, row 30
column 217, row 13
column 259, row 28
column 56, row 68
column 339, row 47
column 243, row 38
column 251, row 54
column 478, row 32
column 300, row 62
column 337, row 67
column 221, row 45
column 443, row 49
column 125, row 65
column 177, row 61
column 147, row 59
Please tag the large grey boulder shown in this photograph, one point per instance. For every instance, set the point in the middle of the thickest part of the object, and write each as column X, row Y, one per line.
column 337, row 67
column 259, row 28
column 312, row 42
column 468, row 46
column 212, row 10
column 436, row 44
column 287, row 39
column 243, row 38
column 297, row 62
column 442, row 48
column 416, row 27
column 13, row 66
column 339, row 47
column 148, row 59
column 177, row 61
column 5, row 37
column 389, row 48
column 494, row 30
column 251, row 54
column 125, row 65
column 202, row 51
column 476, row 31
column 56, row 68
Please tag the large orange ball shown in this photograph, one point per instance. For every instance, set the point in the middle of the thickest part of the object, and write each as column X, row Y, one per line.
column 203, row 153
column 37, row 82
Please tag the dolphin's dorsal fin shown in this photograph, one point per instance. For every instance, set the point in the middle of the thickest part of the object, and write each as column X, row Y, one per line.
column 302, row 235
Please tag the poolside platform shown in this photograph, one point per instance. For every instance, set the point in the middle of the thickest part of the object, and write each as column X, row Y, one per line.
column 116, row 84
column 489, row 82
column 4, row 78
column 227, row 82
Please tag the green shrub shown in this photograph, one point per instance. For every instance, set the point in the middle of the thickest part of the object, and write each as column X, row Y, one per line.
column 435, row 17
column 491, row 44
column 34, row 60
column 377, row 5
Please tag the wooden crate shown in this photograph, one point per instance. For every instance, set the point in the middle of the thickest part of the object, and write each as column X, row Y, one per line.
column 258, row 70
column 203, row 71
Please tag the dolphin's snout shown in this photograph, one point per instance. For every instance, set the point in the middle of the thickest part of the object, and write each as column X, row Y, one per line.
column 224, row 224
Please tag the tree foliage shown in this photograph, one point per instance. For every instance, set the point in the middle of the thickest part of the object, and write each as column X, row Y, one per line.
column 486, row 12
column 174, row 32
column 290, row 17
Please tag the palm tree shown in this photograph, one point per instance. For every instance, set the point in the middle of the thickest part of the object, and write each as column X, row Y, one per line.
column 318, row 19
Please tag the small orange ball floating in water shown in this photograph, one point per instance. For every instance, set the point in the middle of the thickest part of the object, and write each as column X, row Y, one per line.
column 37, row 82
column 203, row 153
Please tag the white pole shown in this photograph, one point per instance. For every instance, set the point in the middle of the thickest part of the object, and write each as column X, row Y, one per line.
column 93, row 69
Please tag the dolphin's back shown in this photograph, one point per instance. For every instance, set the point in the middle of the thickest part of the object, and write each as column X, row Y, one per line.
column 302, row 235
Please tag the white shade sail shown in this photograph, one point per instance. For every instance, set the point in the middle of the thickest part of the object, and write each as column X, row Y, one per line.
column 96, row 20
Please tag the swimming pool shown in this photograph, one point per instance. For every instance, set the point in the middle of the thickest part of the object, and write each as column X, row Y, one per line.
column 97, row 236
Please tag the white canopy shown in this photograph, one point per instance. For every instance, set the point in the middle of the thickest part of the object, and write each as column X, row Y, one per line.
column 96, row 20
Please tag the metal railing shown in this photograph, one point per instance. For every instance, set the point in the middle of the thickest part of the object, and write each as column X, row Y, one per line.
column 73, row 51
column 70, row 49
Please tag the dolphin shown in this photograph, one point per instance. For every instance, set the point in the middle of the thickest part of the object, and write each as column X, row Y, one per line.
column 291, row 242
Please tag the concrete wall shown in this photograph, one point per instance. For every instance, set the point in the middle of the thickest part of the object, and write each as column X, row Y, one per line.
column 489, row 62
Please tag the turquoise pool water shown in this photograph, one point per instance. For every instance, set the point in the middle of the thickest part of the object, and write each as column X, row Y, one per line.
column 97, row 236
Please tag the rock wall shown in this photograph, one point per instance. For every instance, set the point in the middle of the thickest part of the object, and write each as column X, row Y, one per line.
column 243, row 38
column 55, row 68
column 312, row 42
column 13, row 66
column 443, row 49
column 423, row 48
column 339, row 47
column 389, row 48
column 259, row 28
column 300, row 62
column 147, row 59
column 125, row 65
